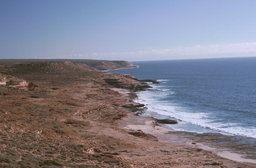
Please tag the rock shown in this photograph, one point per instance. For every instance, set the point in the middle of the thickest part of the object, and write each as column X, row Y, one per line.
column 141, row 87
column 134, row 107
column 130, row 76
column 132, row 95
column 213, row 163
column 118, row 83
column 166, row 121
column 114, row 82
column 31, row 86
column 12, row 83
column 141, row 134
column 150, row 80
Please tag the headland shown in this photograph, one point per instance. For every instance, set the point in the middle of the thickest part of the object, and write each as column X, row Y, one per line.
column 68, row 113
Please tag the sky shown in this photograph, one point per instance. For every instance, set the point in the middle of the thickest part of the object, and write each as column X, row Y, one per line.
column 132, row 30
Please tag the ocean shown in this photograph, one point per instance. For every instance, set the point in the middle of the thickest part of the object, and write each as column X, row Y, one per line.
column 203, row 95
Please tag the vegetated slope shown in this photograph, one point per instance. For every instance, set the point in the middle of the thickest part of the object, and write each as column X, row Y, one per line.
column 104, row 65
column 71, row 119
column 36, row 70
column 90, row 64
column 58, row 123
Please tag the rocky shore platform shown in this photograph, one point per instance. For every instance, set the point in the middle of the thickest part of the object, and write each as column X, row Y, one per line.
column 68, row 113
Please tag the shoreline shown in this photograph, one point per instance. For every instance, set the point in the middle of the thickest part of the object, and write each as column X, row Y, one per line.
column 70, row 115
column 233, row 152
column 148, row 125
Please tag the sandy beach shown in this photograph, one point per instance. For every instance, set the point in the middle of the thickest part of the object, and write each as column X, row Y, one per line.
column 70, row 114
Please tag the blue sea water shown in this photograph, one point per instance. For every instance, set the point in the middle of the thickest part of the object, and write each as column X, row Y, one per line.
column 207, row 95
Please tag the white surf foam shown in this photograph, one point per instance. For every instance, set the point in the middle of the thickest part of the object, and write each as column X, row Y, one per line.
column 163, row 80
column 154, row 103
column 161, row 89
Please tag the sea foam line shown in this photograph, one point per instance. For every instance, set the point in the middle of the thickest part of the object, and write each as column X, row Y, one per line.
column 152, row 100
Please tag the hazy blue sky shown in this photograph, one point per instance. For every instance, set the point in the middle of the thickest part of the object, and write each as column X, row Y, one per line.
column 127, row 29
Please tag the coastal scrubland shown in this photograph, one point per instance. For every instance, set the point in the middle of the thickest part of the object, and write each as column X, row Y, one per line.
column 68, row 113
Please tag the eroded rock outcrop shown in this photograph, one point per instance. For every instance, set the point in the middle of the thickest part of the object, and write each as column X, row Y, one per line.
column 166, row 121
column 14, row 82
column 154, row 81
column 125, row 84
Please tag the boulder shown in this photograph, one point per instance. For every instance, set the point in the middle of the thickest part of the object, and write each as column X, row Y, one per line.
column 141, row 134
column 134, row 107
column 166, row 121
column 150, row 80
column 31, row 86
